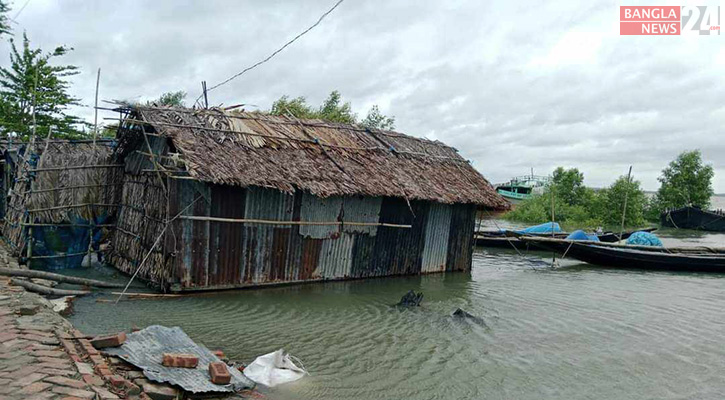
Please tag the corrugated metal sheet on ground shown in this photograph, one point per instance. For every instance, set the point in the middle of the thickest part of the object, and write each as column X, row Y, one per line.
column 437, row 230
column 145, row 350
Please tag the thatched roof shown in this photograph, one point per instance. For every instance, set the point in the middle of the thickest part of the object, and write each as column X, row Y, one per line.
column 323, row 158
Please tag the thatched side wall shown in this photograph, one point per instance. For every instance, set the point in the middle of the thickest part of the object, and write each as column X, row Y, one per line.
column 61, row 184
column 140, row 222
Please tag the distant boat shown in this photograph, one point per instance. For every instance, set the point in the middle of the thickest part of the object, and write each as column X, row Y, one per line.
column 690, row 259
column 522, row 187
column 694, row 218
column 510, row 239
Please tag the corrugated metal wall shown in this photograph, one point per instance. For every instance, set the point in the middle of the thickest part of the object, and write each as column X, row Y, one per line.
column 223, row 254
column 435, row 249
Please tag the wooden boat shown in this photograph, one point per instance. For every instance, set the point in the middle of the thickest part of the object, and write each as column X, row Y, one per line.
column 691, row 259
column 694, row 218
column 510, row 239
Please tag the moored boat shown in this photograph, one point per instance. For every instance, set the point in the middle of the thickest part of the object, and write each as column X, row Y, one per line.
column 509, row 239
column 694, row 218
column 691, row 259
column 522, row 187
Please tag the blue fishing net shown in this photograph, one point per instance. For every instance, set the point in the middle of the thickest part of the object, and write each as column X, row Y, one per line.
column 581, row 235
column 549, row 227
column 644, row 239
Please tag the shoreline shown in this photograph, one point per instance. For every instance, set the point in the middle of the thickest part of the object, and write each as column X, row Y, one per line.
column 43, row 356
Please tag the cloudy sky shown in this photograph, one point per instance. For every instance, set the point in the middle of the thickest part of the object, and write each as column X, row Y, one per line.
column 512, row 85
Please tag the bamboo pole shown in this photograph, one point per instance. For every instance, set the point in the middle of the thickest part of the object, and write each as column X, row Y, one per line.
column 626, row 194
column 77, row 167
column 153, row 246
column 26, row 273
column 272, row 222
column 46, row 290
column 95, row 118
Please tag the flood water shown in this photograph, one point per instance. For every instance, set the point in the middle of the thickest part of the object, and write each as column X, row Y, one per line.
column 567, row 332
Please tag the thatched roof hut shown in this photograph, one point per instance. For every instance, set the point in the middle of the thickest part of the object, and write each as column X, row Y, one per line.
column 245, row 199
column 323, row 158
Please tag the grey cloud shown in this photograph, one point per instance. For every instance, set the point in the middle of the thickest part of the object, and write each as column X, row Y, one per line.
column 484, row 77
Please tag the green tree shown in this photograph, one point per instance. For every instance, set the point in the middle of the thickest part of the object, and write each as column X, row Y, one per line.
column 376, row 119
column 685, row 181
column 608, row 204
column 4, row 21
column 569, row 186
column 298, row 107
column 172, row 99
column 33, row 85
column 333, row 109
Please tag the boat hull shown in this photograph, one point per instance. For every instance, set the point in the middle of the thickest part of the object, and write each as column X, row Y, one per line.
column 637, row 257
column 694, row 218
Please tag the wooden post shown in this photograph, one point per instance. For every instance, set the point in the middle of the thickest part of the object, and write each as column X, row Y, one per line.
column 626, row 194
column 95, row 118
column 552, row 211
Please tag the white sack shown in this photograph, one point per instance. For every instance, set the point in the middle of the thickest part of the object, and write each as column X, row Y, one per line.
column 274, row 369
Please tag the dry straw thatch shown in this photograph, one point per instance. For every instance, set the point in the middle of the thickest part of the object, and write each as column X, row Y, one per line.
column 61, row 182
column 323, row 158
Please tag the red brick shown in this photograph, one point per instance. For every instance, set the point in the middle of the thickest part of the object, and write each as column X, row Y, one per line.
column 109, row 341
column 219, row 373
column 98, row 359
column 34, row 388
column 48, row 353
column 92, row 380
column 59, row 380
column 180, row 360
column 116, row 381
column 102, row 370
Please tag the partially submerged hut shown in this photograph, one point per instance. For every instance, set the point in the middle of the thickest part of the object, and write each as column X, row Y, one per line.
column 220, row 199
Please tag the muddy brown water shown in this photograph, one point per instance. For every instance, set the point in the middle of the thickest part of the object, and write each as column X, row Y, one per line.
column 569, row 332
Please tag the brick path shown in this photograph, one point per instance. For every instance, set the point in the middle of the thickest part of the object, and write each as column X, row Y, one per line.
column 43, row 357
column 33, row 362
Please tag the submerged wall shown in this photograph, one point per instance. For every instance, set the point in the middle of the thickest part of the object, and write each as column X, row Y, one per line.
column 198, row 254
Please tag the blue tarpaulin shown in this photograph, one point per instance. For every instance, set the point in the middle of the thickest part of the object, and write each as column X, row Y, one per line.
column 66, row 244
column 549, row 227
column 581, row 235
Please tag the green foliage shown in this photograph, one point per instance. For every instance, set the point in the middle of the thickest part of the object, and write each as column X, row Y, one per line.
column 333, row 109
column 579, row 207
column 4, row 21
column 33, row 83
column 377, row 120
column 685, row 181
column 610, row 203
column 297, row 107
column 569, row 186
column 172, row 99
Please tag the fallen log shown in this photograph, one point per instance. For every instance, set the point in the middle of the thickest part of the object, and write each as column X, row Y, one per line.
column 46, row 290
column 27, row 273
